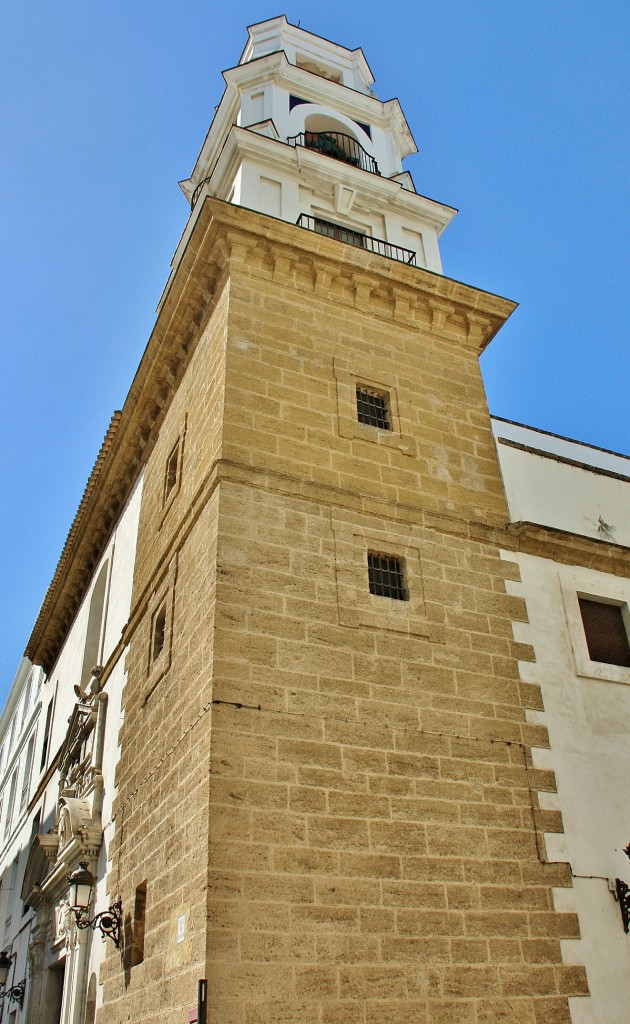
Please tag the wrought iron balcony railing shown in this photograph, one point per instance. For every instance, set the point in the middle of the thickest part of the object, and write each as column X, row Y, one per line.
column 338, row 146
column 351, row 237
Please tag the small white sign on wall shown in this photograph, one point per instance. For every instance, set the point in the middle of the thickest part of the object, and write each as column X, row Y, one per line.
column 181, row 927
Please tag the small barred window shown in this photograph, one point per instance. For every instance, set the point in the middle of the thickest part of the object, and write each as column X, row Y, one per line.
column 373, row 408
column 386, row 576
column 605, row 631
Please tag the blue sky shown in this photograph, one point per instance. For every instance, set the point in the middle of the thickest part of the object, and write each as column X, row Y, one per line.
column 520, row 114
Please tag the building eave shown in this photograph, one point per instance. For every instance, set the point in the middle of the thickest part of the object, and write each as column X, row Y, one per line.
column 566, row 548
column 303, row 36
column 128, row 441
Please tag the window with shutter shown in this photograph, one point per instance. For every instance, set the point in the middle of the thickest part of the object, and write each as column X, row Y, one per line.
column 605, row 631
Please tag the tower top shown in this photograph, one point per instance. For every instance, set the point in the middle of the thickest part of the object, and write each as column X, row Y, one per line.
column 309, row 52
column 300, row 135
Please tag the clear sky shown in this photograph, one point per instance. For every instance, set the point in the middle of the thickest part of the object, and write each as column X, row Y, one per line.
column 520, row 113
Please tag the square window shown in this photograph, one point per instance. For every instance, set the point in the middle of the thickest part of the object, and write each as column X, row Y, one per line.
column 369, row 409
column 373, row 408
column 386, row 577
column 605, row 632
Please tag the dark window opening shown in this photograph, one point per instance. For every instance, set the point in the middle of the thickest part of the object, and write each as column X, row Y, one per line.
column 605, row 631
column 170, row 476
column 159, row 633
column 139, row 914
column 373, row 408
column 386, row 576
column 295, row 101
column 35, row 826
column 366, row 128
column 46, row 736
column 53, row 997
column 326, row 227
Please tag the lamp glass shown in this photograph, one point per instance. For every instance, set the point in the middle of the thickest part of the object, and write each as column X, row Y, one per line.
column 81, row 885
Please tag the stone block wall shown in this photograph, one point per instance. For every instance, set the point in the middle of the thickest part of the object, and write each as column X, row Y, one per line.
column 334, row 788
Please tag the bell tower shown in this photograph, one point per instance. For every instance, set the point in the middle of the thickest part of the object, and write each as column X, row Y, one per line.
column 326, row 803
column 300, row 135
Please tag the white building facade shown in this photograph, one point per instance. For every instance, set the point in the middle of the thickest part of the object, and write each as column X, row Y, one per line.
column 59, row 736
column 20, row 744
column 570, row 507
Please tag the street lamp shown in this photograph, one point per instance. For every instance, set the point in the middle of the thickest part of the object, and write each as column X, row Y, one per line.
column 108, row 922
column 14, row 992
column 622, row 892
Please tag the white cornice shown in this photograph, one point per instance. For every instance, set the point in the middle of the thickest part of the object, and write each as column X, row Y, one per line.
column 274, row 68
column 315, row 169
column 282, row 31
column 401, row 132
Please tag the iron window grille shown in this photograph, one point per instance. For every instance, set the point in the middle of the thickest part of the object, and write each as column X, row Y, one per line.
column 386, row 576
column 373, row 408
column 605, row 632
column 348, row 235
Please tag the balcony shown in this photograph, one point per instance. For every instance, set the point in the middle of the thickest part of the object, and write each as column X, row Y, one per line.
column 338, row 146
column 351, row 237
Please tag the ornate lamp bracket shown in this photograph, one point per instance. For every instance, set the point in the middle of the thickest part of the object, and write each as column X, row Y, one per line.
column 108, row 921
column 15, row 993
column 622, row 893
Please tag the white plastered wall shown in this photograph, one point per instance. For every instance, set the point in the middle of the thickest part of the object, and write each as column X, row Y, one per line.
column 587, row 718
column 120, row 552
column 563, row 484
column 585, row 491
column 24, row 702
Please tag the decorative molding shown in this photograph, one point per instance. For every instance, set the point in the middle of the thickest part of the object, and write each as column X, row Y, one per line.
column 571, row 549
column 42, row 854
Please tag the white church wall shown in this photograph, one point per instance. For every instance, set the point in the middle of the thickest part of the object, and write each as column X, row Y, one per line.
column 118, row 563
column 587, row 719
column 95, row 635
column 563, row 484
